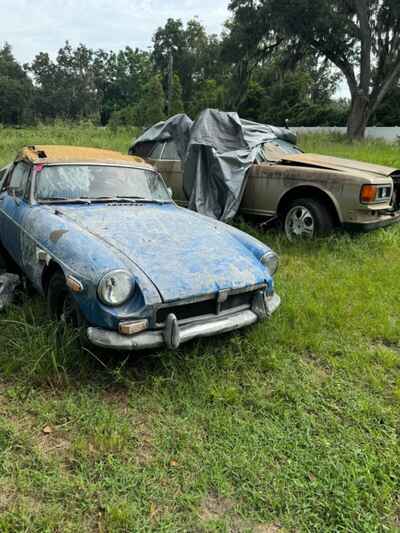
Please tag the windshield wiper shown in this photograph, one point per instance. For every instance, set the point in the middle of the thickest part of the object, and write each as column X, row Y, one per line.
column 112, row 199
column 63, row 200
column 140, row 199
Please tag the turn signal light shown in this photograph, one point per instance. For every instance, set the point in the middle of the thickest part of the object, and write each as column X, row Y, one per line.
column 130, row 328
column 74, row 284
column 368, row 194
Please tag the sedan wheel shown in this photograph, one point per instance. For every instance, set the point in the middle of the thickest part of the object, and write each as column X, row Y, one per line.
column 299, row 223
column 306, row 218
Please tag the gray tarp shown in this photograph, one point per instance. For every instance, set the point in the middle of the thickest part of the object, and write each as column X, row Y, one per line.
column 177, row 128
column 216, row 152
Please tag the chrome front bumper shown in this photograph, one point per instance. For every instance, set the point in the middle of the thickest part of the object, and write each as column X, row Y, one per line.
column 175, row 334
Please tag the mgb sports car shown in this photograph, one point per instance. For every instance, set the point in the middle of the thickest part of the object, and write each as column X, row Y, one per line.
column 98, row 234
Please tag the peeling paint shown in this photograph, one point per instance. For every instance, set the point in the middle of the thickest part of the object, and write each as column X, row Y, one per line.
column 57, row 234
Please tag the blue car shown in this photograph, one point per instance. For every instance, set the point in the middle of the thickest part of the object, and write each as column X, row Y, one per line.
column 97, row 233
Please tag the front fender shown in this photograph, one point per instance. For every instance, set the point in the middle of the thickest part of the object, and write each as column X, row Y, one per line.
column 48, row 236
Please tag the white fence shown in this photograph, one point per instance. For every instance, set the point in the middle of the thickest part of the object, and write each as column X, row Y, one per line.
column 376, row 132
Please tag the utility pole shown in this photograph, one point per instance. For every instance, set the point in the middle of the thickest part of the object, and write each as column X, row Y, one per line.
column 170, row 81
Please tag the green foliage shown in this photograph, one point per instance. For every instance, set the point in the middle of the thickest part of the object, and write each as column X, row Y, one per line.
column 195, row 55
column 15, row 90
column 291, row 425
column 208, row 94
column 177, row 102
column 124, row 117
column 359, row 37
column 272, row 62
column 302, row 95
column 151, row 106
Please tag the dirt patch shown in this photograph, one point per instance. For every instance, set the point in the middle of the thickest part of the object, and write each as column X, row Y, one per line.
column 7, row 497
column 118, row 398
column 52, row 444
column 216, row 507
column 145, row 450
column 268, row 528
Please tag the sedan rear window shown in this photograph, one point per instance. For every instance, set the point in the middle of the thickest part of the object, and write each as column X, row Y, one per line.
column 165, row 151
column 74, row 182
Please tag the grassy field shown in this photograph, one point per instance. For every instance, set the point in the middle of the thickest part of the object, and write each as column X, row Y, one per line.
column 292, row 425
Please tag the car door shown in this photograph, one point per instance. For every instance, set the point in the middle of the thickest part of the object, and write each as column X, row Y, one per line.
column 264, row 183
column 164, row 157
column 14, row 203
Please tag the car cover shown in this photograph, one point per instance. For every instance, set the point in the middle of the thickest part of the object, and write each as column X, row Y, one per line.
column 177, row 128
column 216, row 152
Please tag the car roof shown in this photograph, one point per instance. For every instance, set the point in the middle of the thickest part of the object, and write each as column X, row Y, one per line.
column 49, row 154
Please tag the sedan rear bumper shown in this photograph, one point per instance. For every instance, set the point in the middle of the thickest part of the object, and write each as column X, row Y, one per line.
column 175, row 334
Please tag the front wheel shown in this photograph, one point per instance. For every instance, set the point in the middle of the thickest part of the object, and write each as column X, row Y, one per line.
column 306, row 218
column 63, row 307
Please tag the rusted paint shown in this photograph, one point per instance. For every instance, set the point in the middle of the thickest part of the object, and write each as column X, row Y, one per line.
column 57, row 234
column 171, row 253
column 269, row 182
column 74, row 154
column 338, row 164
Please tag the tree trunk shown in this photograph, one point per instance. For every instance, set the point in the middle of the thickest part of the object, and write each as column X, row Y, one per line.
column 359, row 115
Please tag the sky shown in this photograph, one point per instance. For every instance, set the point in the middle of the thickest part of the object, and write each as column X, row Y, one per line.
column 44, row 25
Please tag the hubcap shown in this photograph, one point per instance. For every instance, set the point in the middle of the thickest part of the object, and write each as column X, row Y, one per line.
column 299, row 223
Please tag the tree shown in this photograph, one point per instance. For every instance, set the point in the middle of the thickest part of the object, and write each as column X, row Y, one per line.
column 176, row 102
column 120, row 78
column 196, row 55
column 360, row 37
column 151, row 106
column 15, row 89
column 66, row 87
column 301, row 91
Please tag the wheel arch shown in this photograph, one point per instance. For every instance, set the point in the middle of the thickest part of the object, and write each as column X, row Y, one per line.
column 310, row 191
column 49, row 270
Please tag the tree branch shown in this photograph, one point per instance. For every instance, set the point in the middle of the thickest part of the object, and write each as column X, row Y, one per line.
column 386, row 85
column 366, row 45
column 342, row 65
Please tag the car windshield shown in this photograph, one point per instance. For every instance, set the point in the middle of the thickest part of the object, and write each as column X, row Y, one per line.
column 99, row 182
column 277, row 149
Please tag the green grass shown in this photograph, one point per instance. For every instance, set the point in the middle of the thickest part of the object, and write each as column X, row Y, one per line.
column 293, row 423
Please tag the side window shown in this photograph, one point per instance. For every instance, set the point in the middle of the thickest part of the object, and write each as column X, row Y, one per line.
column 170, row 153
column 19, row 177
column 157, row 151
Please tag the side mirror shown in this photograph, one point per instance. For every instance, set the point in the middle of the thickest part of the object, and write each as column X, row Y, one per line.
column 170, row 192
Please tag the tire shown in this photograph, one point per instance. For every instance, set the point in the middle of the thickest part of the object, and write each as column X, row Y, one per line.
column 307, row 218
column 3, row 264
column 63, row 308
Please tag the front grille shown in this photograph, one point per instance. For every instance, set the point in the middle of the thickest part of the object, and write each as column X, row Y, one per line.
column 205, row 307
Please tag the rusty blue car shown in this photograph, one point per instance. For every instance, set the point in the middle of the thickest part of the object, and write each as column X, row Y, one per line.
column 97, row 233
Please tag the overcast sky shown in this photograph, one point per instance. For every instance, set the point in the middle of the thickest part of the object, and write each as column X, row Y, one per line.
column 44, row 25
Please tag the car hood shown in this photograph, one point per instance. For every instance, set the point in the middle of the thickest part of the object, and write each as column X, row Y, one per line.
column 182, row 253
column 338, row 164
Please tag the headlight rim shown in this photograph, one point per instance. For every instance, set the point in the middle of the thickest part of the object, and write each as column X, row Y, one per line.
column 273, row 254
column 104, row 277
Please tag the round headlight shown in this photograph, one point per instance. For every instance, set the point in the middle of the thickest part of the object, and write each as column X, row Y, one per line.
column 271, row 261
column 115, row 288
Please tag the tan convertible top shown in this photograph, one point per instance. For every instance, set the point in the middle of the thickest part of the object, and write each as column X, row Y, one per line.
column 76, row 154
